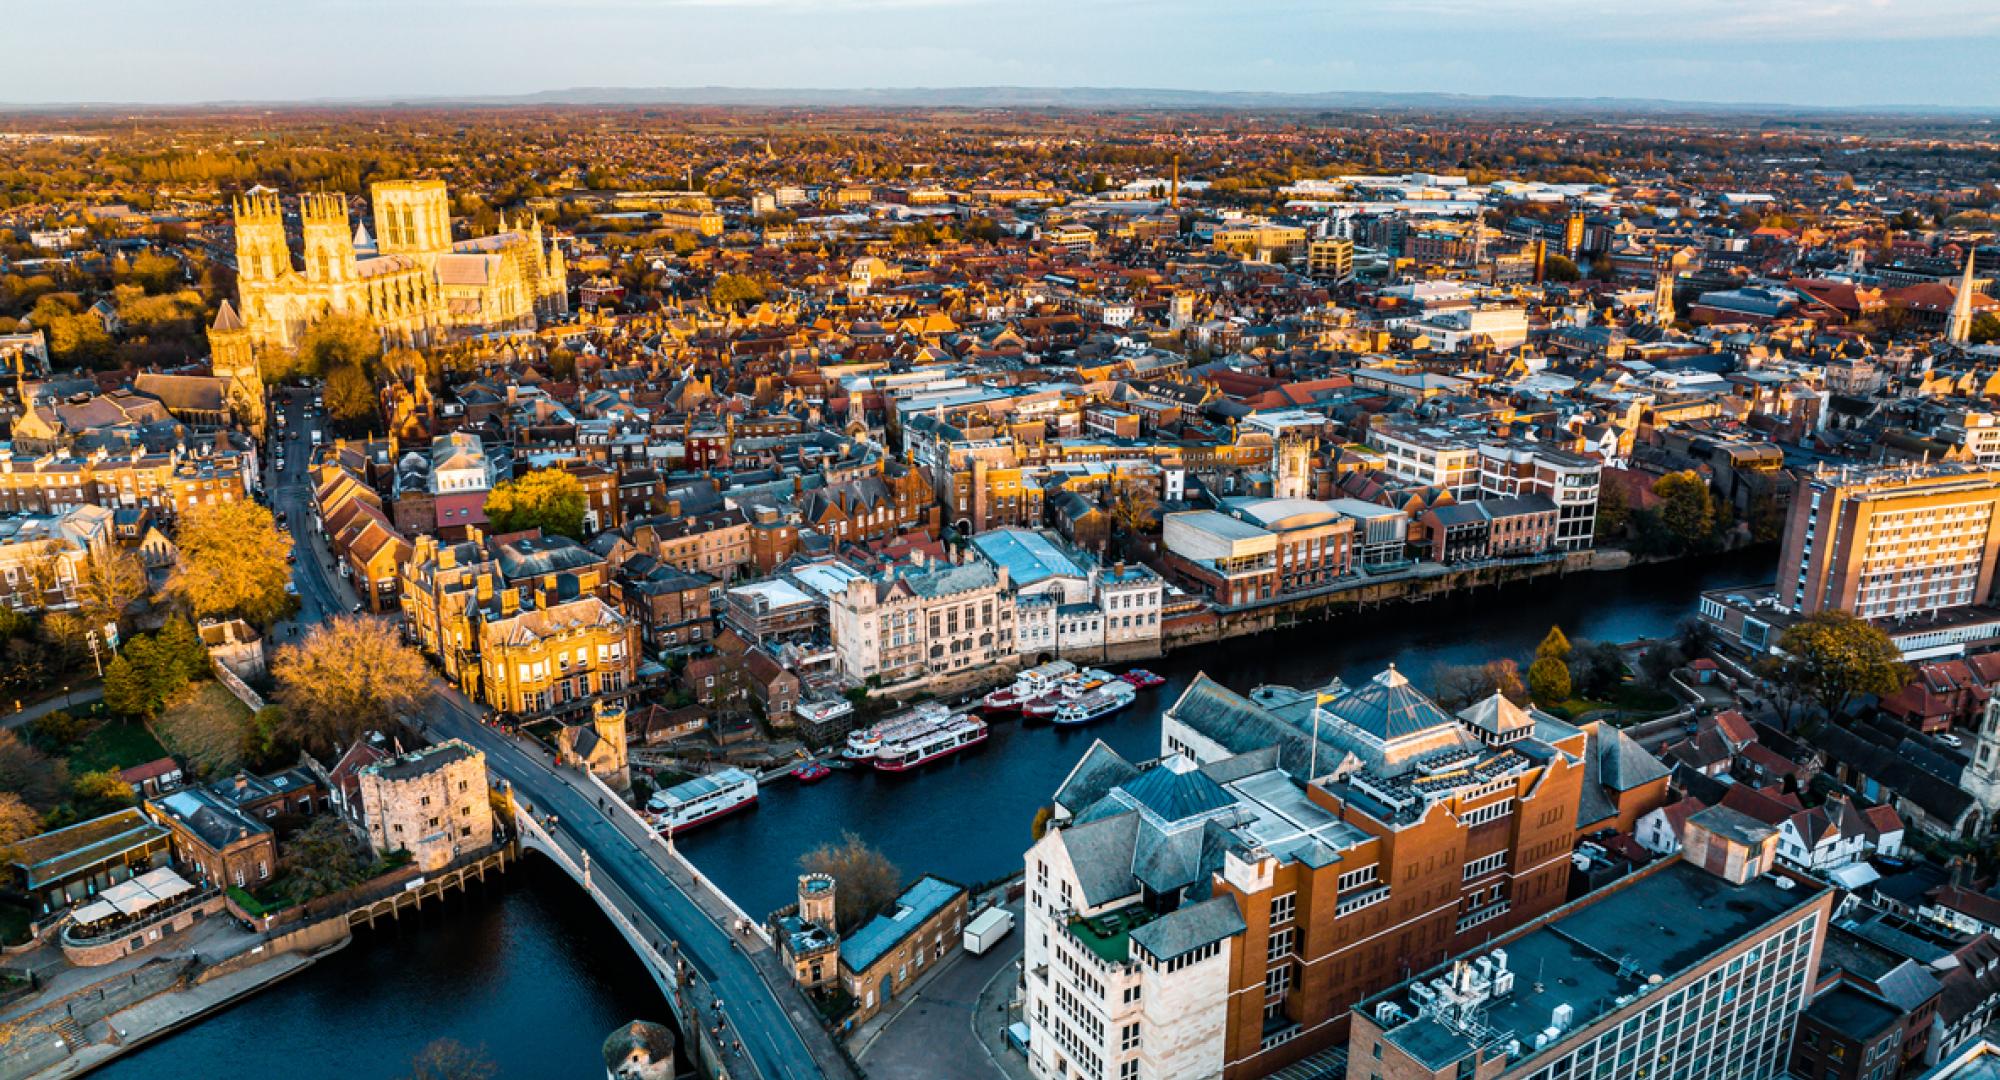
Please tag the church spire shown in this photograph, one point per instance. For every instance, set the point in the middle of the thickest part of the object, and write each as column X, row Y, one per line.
column 1959, row 330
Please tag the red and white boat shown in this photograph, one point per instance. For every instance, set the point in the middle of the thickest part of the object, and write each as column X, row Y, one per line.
column 1030, row 684
column 1066, row 690
column 1141, row 679
column 911, row 748
column 700, row 800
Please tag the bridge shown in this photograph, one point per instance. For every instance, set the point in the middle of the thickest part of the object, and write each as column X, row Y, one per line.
column 682, row 927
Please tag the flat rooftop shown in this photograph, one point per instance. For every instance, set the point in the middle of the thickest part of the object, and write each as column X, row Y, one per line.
column 1662, row 922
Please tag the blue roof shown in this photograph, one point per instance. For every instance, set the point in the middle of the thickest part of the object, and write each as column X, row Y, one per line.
column 886, row 931
column 1028, row 556
column 1177, row 795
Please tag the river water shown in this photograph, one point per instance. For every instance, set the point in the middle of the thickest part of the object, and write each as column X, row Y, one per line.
column 531, row 971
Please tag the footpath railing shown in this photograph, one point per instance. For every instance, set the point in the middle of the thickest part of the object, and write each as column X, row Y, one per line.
column 621, row 808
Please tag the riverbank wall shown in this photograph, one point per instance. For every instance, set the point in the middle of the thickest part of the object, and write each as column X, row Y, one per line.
column 89, row 1027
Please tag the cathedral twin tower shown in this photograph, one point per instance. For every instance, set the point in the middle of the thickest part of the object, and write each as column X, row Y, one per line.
column 412, row 281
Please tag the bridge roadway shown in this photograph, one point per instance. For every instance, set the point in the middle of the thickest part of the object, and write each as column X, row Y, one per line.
column 780, row 1033
column 778, row 1029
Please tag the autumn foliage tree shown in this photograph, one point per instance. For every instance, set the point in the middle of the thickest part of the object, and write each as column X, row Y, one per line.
column 547, row 499
column 348, row 677
column 865, row 881
column 232, row 562
column 1833, row 657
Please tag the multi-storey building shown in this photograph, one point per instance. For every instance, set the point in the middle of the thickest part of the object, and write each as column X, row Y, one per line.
column 717, row 544
column 431, row 803
column 1695, row 968
column 1570, row 481
column 1232, row 562
column 557, row 660
column 1429, row 456
column 168, row 481
column 1891, row 542
column 42, row 557
column 1314, row 542
column 921, row 620
column 1214, row 913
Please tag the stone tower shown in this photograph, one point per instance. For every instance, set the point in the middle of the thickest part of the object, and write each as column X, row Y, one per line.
column 262, row 255
column 1180, row 311
column 608, row 718
column 233, row 359
column 1981, row 779
column 329, row 246
column 816, row 900
column 1292, row 474
column 412, row 217
column 1663, row 293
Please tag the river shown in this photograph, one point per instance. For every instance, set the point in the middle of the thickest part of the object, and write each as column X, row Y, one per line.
column 533, row 973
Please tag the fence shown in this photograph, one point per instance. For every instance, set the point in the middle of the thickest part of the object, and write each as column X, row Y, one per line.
column 624, row 808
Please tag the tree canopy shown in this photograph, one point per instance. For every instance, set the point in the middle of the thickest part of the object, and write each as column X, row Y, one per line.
column 1833, row 657
column 548, row 499
column 865, row 881
column 336, row 341
column 232, row 562
column 349, row 676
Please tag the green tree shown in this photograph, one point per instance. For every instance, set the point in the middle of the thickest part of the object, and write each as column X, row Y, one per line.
column 321, row 859
column 1686, row 508
column 1613, row 511
column 267, row 741
column 1985, row 328
column 57, row 730
column 1560, row 268
column 232, row 562
column 549, row 499
column 1596, row 668
column 1834, row 657
column 181, row 651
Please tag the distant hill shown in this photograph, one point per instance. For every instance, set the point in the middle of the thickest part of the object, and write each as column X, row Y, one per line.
column 1072, row 97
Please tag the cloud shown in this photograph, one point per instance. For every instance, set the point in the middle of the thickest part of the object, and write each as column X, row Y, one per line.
column 1743, row 21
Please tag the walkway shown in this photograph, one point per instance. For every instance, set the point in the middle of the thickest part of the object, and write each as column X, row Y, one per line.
column 780, row 1031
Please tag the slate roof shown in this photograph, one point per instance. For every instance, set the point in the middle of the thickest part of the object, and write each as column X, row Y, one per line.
column 884, row 932
column 1623, row 764
column 1388, row 707
column 1181, row 932
column 1177, row 795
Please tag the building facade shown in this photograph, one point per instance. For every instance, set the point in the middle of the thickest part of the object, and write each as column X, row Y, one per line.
column 431, row 803
column 1891, row 542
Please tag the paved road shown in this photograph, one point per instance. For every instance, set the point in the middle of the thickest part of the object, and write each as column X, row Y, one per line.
column 937, row 1032
column 638, row 868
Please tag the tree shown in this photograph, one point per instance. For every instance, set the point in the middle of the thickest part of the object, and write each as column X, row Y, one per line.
column 232, row 562
column 1458, row 685
column 1613, row 511
column 1132, row 511
column 1985, row 328
column 1560, row 268
column 350, row 397
column 267, row 742
column 108, row 583
column 181, row 653
column 348, row 677
column 29, row 773
column 1040, row 826
column 337, row 341
column 865, row 881
column 547, row 499
column 1548, row 680
column 1596, row 668
column 735, row 291
column 322, row 859
column 1686, row 508
column 99, row 792
column 1554, row 645
column 1833, row 657
column 18, row 821
column 446, row 1059
column 57, row 730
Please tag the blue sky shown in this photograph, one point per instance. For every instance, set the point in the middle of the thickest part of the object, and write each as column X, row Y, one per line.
column 1825, row 52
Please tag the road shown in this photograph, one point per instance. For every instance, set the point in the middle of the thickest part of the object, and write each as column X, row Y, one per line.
column 621, row 851
column 640, row 869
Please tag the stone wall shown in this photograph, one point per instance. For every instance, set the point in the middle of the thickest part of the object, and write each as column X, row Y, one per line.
column 96, row 952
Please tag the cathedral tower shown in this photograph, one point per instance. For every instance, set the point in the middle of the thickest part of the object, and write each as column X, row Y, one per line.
column 262, row 255
column 329, row 246
column 1981, row 779
column 1958, row 331
column 412, row 217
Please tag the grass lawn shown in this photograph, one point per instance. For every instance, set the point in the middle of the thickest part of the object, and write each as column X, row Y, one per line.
column 115, row 744
column 1635, row 698
column 204, row 724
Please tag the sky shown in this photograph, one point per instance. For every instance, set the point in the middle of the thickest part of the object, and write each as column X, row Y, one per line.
column 1807, row 52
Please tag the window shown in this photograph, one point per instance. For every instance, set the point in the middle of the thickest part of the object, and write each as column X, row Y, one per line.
column 1484, row 865
column 1354, row 879
column 1284, row 908
column 1280, row 945
column 1128, row 1039
column 1278, row 981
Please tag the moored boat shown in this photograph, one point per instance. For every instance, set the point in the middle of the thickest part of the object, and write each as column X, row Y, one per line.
column 1097, row 704
column 1142, row 679
column 700, row 800
column 913, row 748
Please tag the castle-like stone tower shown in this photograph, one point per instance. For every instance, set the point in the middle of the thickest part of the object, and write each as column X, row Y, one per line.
column 233, row 359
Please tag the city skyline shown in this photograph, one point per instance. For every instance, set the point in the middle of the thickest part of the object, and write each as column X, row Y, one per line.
column 1842, row 54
